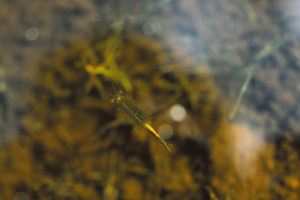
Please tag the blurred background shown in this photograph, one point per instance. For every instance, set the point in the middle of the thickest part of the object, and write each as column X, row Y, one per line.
column 218, row 79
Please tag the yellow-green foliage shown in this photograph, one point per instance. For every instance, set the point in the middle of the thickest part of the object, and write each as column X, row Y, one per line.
column 79, row 146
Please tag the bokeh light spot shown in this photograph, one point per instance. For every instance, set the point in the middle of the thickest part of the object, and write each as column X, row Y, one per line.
column 177, row 112
column 32, row 33
column 165, row 131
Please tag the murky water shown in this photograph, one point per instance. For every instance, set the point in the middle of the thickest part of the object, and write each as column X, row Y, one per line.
column 217, row 80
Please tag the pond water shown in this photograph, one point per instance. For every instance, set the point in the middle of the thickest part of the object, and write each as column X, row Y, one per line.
column 215, row 82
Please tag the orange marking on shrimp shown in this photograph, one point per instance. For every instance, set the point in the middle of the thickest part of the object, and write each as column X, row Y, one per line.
column 119, row 98
column 151, row 130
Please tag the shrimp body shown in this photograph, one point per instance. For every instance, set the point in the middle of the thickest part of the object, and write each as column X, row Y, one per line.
column 138, row 116
column 130, row 109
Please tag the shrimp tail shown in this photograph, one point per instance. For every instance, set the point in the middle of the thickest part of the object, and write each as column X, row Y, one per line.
column 166, row 145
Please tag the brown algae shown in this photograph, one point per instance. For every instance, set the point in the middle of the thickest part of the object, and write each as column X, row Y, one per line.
column 69, row 107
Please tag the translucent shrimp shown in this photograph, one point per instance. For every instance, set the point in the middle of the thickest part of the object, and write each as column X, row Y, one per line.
column 138, row 116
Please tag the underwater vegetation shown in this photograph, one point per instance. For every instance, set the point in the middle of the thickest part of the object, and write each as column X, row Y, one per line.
column 77, row 144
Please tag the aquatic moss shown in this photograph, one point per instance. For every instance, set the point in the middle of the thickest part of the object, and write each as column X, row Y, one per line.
column 78, row 145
